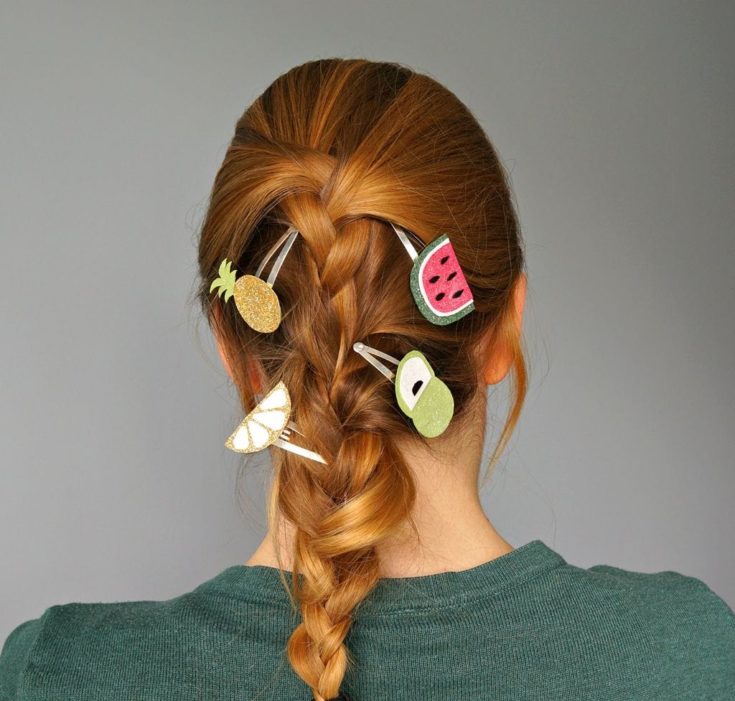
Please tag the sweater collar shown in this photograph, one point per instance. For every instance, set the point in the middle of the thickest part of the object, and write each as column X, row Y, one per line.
column 400, row 594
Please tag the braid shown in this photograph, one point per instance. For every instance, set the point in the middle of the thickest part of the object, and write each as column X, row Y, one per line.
column 337, row 149
column 343, row 509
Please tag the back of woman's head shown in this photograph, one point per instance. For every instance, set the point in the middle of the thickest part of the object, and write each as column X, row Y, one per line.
column 338, row 149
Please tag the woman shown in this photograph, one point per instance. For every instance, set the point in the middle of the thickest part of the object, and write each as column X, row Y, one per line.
column 363, row 273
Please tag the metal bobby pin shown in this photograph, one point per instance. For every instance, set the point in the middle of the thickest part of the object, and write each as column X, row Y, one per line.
column 369, row 353
column 291, row 235
column 284, row 441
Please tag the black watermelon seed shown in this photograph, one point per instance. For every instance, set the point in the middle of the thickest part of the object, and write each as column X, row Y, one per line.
column 452, row 275
column 457, row 294
column 434, row 278
column 440, row 296
column 444, row 259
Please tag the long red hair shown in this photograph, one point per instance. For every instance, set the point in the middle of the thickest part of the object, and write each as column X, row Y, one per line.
column 337, row 148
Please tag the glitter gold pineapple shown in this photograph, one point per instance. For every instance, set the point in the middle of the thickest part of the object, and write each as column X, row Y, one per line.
column 255, row 299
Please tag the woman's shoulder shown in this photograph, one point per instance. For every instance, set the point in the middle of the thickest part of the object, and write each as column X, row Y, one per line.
column 92, row 642
column 659, row 597
column 117, row 645
column 669, row 632
column 62, row 622
column 685, row 628
column 675, row 594
column 15, row 652
column 63, row 632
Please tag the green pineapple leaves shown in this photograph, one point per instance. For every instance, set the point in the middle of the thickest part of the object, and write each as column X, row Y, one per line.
column 225, row 281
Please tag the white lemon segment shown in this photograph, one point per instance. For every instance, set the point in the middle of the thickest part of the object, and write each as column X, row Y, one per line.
column 264, row 424
column 273, row 419
column 277, row 398
column 240, row 439
column 259, row 434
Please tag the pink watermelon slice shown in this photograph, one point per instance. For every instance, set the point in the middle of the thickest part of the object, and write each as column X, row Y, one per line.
column 438, row 284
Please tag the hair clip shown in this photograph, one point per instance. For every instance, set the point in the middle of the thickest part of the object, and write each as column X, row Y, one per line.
column 421, row 395
column 438, row 284
column 254, row 298
column 268, row 424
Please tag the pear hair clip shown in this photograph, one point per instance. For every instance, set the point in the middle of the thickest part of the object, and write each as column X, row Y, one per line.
column 421, row 395
column 268, row 424
column 437, row 282
column 255, row 299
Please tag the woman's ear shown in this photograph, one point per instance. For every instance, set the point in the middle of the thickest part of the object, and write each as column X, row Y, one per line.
column 500, row 356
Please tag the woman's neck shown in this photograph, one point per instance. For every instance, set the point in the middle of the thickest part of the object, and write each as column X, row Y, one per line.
column 448, row 542
column 454, row 531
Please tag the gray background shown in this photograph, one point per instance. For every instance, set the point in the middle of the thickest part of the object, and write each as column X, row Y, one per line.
column 615, row 120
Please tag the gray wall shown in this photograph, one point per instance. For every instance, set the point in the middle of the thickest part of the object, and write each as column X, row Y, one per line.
column 615, row 120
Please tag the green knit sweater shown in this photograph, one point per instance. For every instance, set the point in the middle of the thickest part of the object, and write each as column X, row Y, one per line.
column 526, row 625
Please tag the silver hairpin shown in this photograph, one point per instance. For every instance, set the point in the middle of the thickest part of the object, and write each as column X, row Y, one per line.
column 284, row 441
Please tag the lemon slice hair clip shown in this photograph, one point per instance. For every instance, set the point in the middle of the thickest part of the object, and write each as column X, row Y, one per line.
column 437, row 282
column 420, row 394
column 255, row 299
column 269, row 424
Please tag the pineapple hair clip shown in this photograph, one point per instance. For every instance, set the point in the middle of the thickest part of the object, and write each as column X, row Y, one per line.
column 255, row 299
column 269, row 424
column 437, row 282
column 421, row 395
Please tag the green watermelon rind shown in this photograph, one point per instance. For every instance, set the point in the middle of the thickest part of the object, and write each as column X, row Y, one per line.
column 427, row 311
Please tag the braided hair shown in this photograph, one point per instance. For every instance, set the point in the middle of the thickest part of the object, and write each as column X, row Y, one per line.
column 338, row 149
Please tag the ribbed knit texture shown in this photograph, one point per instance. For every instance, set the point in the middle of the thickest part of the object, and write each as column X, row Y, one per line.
column 526, row 625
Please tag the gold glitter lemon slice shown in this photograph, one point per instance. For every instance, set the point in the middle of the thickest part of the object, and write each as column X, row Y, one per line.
column 263, row 424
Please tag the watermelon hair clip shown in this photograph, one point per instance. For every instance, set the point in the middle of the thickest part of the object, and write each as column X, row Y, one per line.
column 268, row 424
column 254, row 298
column 438, row 284
column 421, row 395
